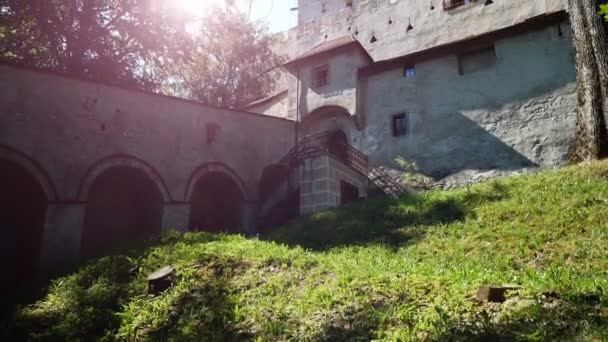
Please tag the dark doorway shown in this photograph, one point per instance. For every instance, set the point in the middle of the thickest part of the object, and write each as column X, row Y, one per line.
column 124, row 206
column 216, row 204
column 338, row 145
column 23, row 206
column 348, row 193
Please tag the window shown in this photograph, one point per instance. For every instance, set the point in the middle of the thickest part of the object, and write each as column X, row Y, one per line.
column 409, row 71
column 451, row 4
column 320, row 76
column 480, row 59
column 399, row 125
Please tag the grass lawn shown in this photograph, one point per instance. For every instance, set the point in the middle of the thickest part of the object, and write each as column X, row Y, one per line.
column 390, row 270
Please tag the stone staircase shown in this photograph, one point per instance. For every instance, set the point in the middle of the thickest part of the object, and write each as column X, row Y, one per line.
column 380, row 177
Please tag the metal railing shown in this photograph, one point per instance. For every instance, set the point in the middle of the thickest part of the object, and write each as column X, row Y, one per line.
column 319, row 144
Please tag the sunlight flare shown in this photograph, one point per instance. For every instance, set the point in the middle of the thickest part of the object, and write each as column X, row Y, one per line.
column 195, row 7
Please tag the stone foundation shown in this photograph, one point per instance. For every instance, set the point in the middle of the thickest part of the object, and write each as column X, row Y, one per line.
column 320, row 180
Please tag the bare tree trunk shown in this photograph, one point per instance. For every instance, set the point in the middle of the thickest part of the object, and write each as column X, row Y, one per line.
column 592, row 76
column 598, row 41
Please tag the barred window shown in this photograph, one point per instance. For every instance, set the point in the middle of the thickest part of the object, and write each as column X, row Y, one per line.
column 320, row 76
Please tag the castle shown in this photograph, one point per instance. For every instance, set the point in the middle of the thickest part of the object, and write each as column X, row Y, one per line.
column 453, row 85
column 460, row 87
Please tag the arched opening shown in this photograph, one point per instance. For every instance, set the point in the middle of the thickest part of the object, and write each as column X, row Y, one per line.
column 124, row 205
column 338, row 143
column 326, row 119
column 216, row 204
column 24, row 205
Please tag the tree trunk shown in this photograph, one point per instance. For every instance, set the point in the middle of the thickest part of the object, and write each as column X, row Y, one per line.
column 598, row 41
column 592, row 76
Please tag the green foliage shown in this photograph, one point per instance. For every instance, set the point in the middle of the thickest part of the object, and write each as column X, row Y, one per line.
column 604, row 11
column 143, row 44
column 114, row 41
column 231, row 62
column 392, row 270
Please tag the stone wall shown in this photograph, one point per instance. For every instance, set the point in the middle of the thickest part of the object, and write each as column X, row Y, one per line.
column 517, row 113
column 388, row 21
column 309, row 10
column 341, row 89
column 320, row 180
column 277, row 106
column 72, row 130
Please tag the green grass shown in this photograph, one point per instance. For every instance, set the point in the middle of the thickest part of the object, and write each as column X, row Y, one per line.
column 394, row 270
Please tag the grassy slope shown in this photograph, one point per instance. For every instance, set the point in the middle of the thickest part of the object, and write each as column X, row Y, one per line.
column 380, row 269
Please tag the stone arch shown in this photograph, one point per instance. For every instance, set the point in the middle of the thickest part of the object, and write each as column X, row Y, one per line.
column 126, row 161
column 124, row 204
column 25, row 191
column 328, row 118
column 33, row 167
column 218, row 167
column 217, row 199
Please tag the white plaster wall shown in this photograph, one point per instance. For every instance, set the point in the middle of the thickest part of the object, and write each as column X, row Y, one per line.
column 67, row 125
column 431, row 27
column 341, row 89
column 277, row 107
column 519, row 113
column 309, row 10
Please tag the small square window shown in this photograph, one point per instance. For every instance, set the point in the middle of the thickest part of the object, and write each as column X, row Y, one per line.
column 320, row 76
column 409, row 71
column 451, row 4
column 399, row 125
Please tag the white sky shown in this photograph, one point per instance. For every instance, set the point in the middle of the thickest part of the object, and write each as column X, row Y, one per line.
column 276, row 13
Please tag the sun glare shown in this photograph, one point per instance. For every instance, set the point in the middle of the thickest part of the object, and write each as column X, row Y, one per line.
column 195, row 7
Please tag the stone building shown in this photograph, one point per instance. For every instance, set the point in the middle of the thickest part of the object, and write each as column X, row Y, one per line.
column 459, row 86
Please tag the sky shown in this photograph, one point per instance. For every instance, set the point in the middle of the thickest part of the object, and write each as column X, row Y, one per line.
column 276, row 13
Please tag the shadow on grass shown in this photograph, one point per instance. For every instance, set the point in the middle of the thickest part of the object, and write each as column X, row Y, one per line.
column 205, row 313
column 579, row 317
column 392, row 222
column 81, row 306
column 78, row 301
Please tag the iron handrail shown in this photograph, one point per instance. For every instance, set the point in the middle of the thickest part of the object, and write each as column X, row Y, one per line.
column 318, row 144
